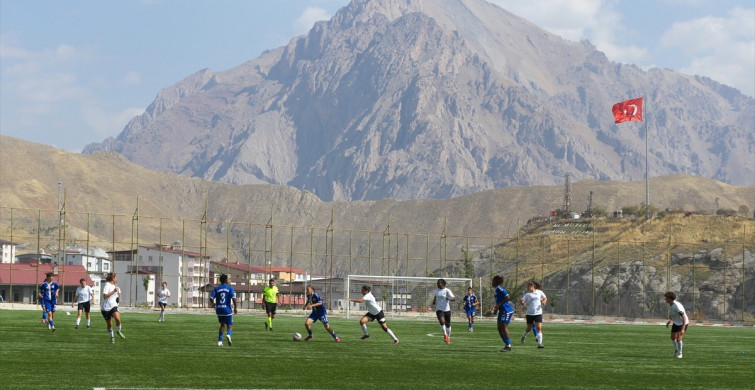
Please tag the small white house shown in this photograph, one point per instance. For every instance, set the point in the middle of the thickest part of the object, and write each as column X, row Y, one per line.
column 7, row 252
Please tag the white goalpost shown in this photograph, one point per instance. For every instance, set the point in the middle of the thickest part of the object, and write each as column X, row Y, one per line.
column 403, row 295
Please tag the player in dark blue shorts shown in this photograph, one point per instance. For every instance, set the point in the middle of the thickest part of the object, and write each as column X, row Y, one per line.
column 504, row 309
column 470, row 307
column 315, row 303
column 221, row 298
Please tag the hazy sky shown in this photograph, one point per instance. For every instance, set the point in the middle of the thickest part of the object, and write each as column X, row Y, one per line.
column 75, row 72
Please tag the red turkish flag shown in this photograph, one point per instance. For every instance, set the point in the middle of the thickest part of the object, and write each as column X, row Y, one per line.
column 630, row 110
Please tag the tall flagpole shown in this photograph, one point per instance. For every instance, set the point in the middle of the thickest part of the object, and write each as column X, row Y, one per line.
column 647, row 176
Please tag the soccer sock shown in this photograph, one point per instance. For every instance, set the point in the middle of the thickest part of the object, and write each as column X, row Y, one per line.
column 52, row 323
column 443, row 329
column 89, row 321
column 78, row 321
column 335, row 336
column 364, row 329
column 110, row 332
column 507, row 341
column 119, row 329
column 390, row 332
column 534, row 331
column 676, row 346
column 448, row 331
column 525, row 333
column 220, row 336
column 680, row 346
column 230, row 331
column 309, row 331
column 539, row 338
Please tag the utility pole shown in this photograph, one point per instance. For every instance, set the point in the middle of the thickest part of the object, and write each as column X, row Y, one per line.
column 567, row 194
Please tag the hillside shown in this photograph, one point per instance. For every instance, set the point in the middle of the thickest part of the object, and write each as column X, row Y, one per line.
column 622, row 267
column 107, row 183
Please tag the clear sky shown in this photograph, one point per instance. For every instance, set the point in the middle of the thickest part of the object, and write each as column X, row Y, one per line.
column 75, row 72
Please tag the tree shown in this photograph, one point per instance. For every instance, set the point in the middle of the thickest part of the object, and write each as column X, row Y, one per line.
column 744, row 210
column 630, row 210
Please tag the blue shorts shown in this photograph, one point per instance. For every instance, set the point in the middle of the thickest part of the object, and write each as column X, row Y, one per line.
column 471, row 312
column 505, row 317
column 323, row 318
column 225, row 319
column 49, row 306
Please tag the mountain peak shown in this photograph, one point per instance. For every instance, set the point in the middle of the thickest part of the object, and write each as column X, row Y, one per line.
column 434, row 99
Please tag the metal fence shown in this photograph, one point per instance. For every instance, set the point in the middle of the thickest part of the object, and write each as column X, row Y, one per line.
column 584, row 268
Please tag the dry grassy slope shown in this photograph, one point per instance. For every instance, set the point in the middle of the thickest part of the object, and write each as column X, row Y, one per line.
column 107, row 183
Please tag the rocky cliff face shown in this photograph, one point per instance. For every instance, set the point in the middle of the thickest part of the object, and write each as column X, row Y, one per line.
column 434, row 99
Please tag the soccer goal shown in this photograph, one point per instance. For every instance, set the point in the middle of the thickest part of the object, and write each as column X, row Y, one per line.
column 403, row 295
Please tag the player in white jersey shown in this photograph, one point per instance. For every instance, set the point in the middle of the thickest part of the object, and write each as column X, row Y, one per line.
column 84, row 298
column 162, row 300
column 441, row 300
column 374, row 312
column 111, row 294
column 678, row 320
column 534, row 299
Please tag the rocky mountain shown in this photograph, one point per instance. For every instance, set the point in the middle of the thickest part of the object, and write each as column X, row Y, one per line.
column 413, row 99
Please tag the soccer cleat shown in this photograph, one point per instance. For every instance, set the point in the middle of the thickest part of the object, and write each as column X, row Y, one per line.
column 676, row 353
column 471, row 329
column 228, row 337
column 271, row 328
column 445, row 338
column 506, row 349
column 220, row 343
column 541, row 346
column 53, row 329
column 77, row 327
column 121, row 335
column 87, row 326
column 522, row 340
column 395, row 341
column 337, row 339
column 308, row 338
column 679, row 356
column 365, row 337
column 112, row 340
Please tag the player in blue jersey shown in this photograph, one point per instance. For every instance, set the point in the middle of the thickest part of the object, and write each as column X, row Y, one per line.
column 48, row 298
column 317, row 305
column 221, row 298
column 504, row 309
column 470, row 307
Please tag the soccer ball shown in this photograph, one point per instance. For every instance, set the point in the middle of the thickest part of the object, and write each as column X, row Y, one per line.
column 297, row 336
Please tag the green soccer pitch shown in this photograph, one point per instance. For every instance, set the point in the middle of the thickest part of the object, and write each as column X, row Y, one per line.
column 182, row 352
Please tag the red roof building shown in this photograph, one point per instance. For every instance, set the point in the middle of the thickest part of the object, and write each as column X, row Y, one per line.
column 24, row 279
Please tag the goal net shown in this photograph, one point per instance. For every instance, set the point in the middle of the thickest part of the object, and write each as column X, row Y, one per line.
column 403, row 296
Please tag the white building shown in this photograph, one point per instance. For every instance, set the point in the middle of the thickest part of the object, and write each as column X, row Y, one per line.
column 7, row 252
column 141, row 273
column 97, row 265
